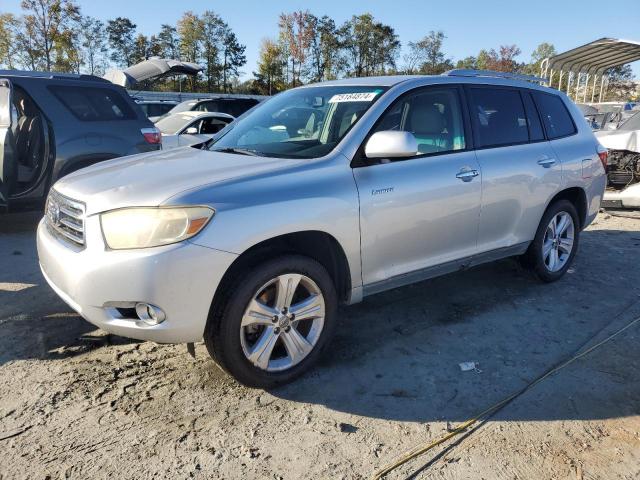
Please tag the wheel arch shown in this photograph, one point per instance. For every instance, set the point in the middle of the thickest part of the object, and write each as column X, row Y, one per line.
column 578, row 197
column 318, row 245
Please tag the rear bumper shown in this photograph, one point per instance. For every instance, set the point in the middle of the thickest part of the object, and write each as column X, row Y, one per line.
column 181, row 279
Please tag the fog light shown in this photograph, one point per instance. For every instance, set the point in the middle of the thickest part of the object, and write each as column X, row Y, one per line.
column 150, row 314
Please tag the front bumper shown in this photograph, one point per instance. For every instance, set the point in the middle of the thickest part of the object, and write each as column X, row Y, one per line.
column 627, row 198
column 181, row 279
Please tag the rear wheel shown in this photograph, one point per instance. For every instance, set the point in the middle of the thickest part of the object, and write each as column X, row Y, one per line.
column 275, row 323
column 554, row 247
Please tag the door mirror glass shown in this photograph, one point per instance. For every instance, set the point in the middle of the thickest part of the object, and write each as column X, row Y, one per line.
column 391, row 144
column 191, row 131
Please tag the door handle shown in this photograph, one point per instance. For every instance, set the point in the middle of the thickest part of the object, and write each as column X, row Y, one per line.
column 467, row 175
column 546, row 162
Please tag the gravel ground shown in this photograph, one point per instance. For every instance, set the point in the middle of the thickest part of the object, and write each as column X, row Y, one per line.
column 78, row 403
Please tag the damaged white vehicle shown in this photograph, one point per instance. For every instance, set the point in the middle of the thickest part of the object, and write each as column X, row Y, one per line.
column 623, row 171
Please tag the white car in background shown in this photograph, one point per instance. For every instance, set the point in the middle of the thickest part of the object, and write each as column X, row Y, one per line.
column 623, row 170
column 190, row 128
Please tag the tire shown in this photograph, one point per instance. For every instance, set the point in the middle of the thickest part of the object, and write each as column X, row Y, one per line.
column 536, row 260
column 232, row 338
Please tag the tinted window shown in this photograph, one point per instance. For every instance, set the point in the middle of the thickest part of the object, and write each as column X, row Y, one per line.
column 498, row 117
column 433, row 116
column 555, row 116
column 91, row 104
column 235, row 107
column 533, row 119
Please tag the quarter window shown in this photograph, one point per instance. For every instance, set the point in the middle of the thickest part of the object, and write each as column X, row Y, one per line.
column 433, row 116
column 498, row 117
column 555, row 116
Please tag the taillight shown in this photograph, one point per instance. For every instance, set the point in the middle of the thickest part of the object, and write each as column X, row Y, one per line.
column 603, row 153
column 152, row 135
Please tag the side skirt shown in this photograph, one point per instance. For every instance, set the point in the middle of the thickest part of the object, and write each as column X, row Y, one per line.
column 444, row 268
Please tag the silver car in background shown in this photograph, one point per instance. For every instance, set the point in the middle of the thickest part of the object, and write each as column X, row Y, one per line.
column 322, row 195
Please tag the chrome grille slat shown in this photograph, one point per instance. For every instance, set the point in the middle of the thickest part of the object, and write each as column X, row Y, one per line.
column 65, row 218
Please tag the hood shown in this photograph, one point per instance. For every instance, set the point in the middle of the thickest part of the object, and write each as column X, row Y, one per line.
column 149, row 179
column 620, row 139
column 153, row 68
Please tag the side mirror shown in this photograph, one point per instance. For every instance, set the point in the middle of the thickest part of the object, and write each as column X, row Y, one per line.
column 391, row 144
column 191, row 131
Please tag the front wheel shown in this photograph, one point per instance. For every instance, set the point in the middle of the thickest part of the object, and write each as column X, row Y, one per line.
column 275, row 323
column 554, row 247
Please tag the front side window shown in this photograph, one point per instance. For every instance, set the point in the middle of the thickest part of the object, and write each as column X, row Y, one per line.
column 300, row 123
column 92, row 104
column 432, row 115
column 498, row 117
column 555, row 116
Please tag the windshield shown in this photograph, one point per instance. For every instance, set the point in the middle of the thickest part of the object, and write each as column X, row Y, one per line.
column 633, row 123
column 300, row 123
column 173, row 123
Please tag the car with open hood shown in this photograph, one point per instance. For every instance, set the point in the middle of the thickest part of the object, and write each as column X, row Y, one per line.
column 320, row 196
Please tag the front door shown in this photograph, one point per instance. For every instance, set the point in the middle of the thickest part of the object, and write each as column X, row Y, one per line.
column 422, row 211
column 8, row 165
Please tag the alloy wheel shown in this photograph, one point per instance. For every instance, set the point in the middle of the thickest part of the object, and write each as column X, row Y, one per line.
column 558, row 241
column 283, row 322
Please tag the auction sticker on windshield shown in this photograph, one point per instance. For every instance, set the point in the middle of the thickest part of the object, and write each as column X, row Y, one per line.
column 353, row 97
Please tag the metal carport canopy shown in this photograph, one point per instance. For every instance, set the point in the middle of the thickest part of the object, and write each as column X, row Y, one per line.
column 598, row 55
column 591, row 59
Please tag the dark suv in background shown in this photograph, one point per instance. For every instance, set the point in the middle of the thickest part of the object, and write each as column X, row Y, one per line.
column 234, row 106
column 52, row 124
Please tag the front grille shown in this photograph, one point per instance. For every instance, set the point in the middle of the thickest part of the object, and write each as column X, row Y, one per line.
column 65, row 218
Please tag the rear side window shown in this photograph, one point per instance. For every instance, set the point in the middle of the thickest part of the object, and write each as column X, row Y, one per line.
column 91, row 104
column 555, row 116
column 498, row 117
column 533, row 119
column 234, row 107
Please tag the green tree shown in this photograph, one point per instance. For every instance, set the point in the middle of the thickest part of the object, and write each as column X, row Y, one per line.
column 542, row 51
column 121, row 32
column 190, row 32
column 296, row 33
column 371, row 47
column 94, row 46
column 48, row 23
column 426, row 55
column 169, row 42
column 212, row 32
column 140, row 49
column 233, row 57
column 325, row 48
column 9, row 25
column 269, row 78
column 469, row 62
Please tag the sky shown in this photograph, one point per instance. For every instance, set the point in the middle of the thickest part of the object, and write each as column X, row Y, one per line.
column 468, row 24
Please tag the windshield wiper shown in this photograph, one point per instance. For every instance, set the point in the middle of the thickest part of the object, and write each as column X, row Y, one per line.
column 241, row 151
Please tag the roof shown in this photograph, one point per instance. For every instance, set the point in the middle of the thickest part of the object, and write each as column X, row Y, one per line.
column 51, row 75
column 597, row 56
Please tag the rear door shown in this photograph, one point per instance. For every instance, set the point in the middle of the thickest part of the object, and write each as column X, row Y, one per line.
column 7, row 143
column 520, row 171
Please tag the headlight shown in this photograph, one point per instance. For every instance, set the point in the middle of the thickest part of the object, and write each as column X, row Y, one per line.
column 151, row 227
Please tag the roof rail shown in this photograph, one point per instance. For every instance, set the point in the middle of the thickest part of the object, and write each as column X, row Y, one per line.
column 465, row 72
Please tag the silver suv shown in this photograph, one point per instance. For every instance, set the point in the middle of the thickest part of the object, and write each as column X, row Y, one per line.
column 321, row 195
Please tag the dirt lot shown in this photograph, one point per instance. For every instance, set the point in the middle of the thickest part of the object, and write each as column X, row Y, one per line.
column 77, row 403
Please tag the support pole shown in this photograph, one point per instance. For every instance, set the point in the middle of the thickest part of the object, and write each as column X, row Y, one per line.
column 593, row 90
column 586, row 87
column 601, row 85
